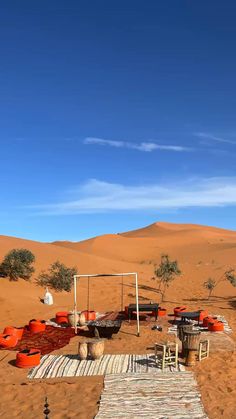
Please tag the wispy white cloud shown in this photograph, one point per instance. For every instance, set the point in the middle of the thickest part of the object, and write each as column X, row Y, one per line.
column 102, row 142
column 211, row 137
column 96, row 196
column 143, row 146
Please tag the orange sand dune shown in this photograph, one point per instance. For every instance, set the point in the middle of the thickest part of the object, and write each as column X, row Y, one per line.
column 201, row 251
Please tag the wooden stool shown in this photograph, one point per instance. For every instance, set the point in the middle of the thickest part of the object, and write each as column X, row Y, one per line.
column 169, row 354
column 204, row 349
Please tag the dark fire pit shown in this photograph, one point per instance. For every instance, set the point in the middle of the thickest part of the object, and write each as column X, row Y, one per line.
column 104, row 328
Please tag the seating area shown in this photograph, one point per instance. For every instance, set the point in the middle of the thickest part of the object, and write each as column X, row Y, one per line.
column 96, row 333
column 190, row 327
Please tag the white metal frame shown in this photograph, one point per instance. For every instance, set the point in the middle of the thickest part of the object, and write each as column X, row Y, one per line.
column 76, row 277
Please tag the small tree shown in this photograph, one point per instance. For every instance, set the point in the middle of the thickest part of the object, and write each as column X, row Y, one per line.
column 231, row 276
column 58, row 277
column 166, row 273
column 18, row 264
column 210, row 284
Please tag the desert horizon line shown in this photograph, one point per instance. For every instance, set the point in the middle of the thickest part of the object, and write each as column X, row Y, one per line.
column 146, row 226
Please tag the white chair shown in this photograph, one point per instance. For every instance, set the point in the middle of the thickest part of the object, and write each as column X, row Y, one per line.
column 204, row 349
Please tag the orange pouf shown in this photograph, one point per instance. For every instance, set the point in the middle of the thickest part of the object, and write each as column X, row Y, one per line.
column 62, row 317
column 28, row 358
column 89, row 315
column 17, row 331
column 216, row 326
column 37, row 326
column 161, row 312
column 208, row 320
column 203, row 314
column 178, row 310
column 8, row 341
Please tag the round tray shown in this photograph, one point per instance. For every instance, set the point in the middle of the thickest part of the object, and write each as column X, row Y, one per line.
column 105, row 328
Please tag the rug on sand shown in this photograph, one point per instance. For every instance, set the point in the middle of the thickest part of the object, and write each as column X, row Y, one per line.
column 53, row 338
column 52, row 366
column 227, row 328
column 151, row 396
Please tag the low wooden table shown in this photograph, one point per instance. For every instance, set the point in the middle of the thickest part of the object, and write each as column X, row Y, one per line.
column 143, row 307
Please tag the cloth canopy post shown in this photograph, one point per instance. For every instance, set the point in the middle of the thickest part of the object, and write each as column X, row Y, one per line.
column 75, row 304
column 101, row 275
column 122, row 293
column 137, row 305
column 88, row 295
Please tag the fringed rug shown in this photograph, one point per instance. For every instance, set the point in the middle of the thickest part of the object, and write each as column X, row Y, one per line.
column 53, row 338
column 151, row 396
column 52, row 366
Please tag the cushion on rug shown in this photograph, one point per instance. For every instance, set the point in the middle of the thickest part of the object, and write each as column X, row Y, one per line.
column 51, row 339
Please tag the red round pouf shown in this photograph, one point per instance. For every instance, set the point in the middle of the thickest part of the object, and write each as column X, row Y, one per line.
column 37, row 326
column 89, row 315
column 28, row 358
column 178, row 310
column 62, row 317
column 216, row 326
column 16, row 331
column 161, row 312
column 203, row 314
column 208, row 320
column 8, row 341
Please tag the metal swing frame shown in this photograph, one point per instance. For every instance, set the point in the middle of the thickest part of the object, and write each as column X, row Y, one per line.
column 135, row 274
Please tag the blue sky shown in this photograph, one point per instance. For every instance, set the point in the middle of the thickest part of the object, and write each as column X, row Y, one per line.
column 114, row 115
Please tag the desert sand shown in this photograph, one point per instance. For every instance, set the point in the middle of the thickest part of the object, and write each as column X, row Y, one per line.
column 201, row 251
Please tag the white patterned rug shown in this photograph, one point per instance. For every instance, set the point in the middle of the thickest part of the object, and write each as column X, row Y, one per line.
column 151, row 396
column 227, row 328
column 52, row 366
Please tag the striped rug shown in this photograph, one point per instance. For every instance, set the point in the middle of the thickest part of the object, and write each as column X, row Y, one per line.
column 52, row 366
column 151, row 396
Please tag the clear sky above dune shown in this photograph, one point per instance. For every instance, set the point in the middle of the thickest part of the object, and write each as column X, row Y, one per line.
column 114, row 115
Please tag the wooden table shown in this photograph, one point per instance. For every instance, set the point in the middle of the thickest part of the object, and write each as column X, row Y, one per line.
column 143, row 307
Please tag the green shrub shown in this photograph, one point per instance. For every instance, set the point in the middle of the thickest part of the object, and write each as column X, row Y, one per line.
column 18, row 264
column 58, row 277
column 230, row 275
column 210, row 284
column 166, row 273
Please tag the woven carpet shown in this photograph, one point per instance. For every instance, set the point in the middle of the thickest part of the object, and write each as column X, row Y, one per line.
column 53, row 338
column 151, row 396
column 227, row 328
column 52, row 366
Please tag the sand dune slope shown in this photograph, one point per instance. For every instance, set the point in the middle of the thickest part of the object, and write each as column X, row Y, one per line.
column 201, row 251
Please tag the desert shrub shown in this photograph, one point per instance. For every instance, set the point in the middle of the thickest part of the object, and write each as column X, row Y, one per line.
column 230, row 275
column 166, row 273
column 18, row 264
column 210, row 284
column 58, row 277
